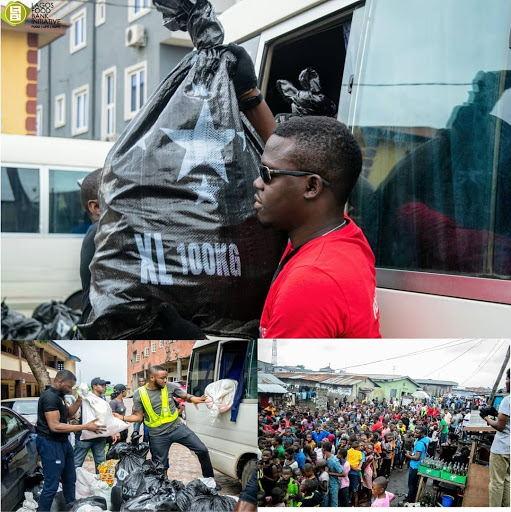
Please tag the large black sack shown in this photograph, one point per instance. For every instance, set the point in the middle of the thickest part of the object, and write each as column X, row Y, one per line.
column 211, row 502
column 58, row 320
column 177, row 221
column 185, row 496
column 16, row 326
column 149, row 502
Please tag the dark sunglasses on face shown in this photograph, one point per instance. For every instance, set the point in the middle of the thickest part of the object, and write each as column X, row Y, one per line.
column 266, row 173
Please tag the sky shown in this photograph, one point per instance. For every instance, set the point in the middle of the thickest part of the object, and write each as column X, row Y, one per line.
column 105, row 359
column 469, row 362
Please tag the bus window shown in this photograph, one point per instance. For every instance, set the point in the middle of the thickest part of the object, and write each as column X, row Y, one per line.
column 20, row 200
column 202, row 370
column 436, row 143
column 66, row 212
column 322, row 48
column 232, row 360
column 251, row 372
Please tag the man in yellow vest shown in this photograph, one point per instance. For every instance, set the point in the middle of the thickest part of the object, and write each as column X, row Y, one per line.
column 153, row 403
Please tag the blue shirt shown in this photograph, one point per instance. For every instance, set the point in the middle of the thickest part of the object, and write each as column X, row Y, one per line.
column 419, row 446
column 300, row 458
column 334, row 466
column 319, row 437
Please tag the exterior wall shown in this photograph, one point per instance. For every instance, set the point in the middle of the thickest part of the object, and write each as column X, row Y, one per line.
column 17, row 378
column 173, row 355
column 19, row 81
column 402, row 387
column 105, row 49
column 436, row 390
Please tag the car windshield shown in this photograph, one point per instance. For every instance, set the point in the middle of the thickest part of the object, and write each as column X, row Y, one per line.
column 25, row 407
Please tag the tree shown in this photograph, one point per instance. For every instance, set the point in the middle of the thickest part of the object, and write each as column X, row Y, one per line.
column 34, row 360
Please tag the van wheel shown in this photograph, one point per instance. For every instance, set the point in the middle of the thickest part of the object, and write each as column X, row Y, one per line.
column 248, row 469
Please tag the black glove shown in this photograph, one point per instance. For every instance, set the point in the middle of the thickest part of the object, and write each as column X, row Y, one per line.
column 244, row 77
column 488, row 411
column 177, row 327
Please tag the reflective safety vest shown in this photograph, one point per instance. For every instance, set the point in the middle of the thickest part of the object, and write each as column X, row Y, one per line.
column 165, row 416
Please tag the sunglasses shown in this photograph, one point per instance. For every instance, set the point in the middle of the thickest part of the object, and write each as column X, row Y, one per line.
column 266, row 173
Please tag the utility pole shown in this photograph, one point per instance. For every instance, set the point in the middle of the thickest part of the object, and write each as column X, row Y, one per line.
column 496, row 385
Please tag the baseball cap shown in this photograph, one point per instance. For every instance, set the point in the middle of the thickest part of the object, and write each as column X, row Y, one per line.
column 98, row 381
column 120, row 387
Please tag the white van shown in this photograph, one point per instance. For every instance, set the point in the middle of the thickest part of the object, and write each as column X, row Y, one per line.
column 232, row 445
column 425, row 86
column 43, row 222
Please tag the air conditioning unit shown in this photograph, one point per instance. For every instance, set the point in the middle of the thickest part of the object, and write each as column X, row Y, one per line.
column 135, row 36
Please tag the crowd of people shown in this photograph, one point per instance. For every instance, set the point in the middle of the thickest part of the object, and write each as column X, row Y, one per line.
column 344, row 455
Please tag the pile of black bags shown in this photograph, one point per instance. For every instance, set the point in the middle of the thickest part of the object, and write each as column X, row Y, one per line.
column 50, row 321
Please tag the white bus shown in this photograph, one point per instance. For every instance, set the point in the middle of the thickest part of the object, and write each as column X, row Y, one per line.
column 232, row 445
column 43, row 222
column 425, row 88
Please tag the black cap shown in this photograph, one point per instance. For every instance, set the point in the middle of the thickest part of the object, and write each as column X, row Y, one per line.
column 98, row 381
column 120, row 387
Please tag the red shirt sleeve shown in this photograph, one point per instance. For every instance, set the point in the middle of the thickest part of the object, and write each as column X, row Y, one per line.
column 309, row 301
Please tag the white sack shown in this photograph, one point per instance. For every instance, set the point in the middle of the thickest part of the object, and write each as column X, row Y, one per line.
column 219, row 397
column 29, row 505
column 89, row 508
column 103, row 490
column 94, row 407
column 84, row 480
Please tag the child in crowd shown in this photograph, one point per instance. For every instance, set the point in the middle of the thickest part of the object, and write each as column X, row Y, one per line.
column 321, row 472
column 290, row 461
column 382, row 497
column 344, row 480
column 277, row 497
column 290, row 487
column 311, row 496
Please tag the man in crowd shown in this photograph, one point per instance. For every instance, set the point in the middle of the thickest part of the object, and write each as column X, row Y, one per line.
column 419, row 452
column 136, row 425
column 153, row 403
column 499, row 454
column 89, row 195
column 98, row 444
column 52, row 441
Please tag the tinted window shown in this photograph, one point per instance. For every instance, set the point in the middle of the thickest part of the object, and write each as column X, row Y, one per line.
column 251, row 371
column 66, row 212
column 203, row 369
column 431, row 110
column 20, row 200
column 11, row 427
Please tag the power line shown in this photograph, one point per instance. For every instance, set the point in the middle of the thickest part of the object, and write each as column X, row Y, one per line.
column 457, row 357
column 452, row 343
column 487, row 359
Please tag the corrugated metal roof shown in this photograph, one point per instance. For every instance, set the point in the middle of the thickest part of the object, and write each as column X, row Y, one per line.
column 327, row 378
column 436, row 382
column 267, row 383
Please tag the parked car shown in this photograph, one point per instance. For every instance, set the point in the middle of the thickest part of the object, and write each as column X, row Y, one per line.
column 27, row 407
column 19, row 456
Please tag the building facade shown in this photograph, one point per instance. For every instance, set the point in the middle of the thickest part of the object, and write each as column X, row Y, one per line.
column 17, row 378
column 94, row 80
column 174, row 355
column 393, row 386
column 21, row 46
column 436, row 387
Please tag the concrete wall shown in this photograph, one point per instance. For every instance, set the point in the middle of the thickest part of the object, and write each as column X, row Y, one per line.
column 402, row 387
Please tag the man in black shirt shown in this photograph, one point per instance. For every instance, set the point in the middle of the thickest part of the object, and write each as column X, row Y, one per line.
column 52, row 441
column 89, row 195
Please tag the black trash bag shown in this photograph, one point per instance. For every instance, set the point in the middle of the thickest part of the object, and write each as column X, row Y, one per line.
column 208, row 503
column 154, row 479
column 34, row 478
column 310, row 101
column 142, row 449
column 150, row 502
column 177, row 222
column 118, row 450
column 16, row 326
column 185, row 496
column 93, row 501
column 135, row 438
column 116, row 498
column 58, row 320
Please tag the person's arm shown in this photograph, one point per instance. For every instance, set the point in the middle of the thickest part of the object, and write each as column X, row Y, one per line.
column 417, row 456
column 72, row 409
column 498, row 424
column 136, row 417
column 261, row 118
column 54, row 424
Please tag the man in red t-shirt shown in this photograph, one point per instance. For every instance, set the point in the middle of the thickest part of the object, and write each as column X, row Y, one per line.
column 325, row 286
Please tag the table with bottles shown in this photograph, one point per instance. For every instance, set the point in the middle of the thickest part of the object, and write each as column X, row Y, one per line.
column 451, row 473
